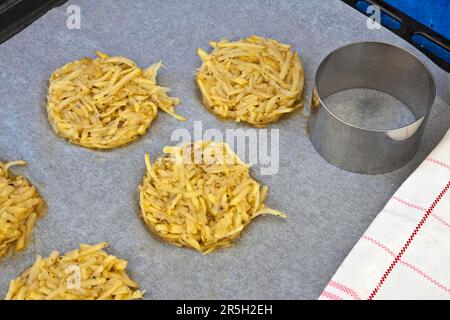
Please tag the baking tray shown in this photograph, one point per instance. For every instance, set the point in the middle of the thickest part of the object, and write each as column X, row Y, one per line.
column 434, row 45
column 16, row 15
column 92, row 195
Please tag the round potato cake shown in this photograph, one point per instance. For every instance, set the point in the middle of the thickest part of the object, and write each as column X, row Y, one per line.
column 87, row 273
column 20, row 207
column 200, row 195
column 105, row 102
column 254, row 80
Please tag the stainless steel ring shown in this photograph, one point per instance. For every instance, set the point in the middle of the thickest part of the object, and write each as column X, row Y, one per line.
column 378, row 66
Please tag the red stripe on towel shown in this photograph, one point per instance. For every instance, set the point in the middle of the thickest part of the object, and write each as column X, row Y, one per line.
column 408, row 242
column 330, row 296
column 412, row 205
column 438, row 162
column 345, row 289
column 409, row 265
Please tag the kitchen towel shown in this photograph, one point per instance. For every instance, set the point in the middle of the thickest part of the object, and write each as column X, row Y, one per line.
column 405, row 253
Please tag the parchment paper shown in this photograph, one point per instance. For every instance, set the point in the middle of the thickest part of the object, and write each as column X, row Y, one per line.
column 92, row 195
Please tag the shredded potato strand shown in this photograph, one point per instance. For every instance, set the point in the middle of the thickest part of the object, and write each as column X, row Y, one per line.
column 200, row 204
column 255, row 80
column 101, row 277
column 105, row 102
column 20, row 207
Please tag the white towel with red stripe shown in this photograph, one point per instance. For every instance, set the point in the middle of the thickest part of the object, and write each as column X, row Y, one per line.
column 405, row 253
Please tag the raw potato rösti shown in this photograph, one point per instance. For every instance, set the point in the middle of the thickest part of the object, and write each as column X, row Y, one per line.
column 200, row 195
column 87, row 273
column 255, row 80
column 105, row 102
column 20, row 207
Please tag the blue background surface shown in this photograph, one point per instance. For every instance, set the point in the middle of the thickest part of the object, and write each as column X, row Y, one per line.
column 433, row 13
